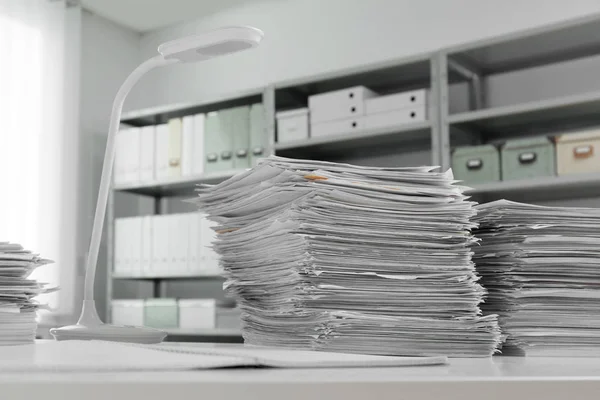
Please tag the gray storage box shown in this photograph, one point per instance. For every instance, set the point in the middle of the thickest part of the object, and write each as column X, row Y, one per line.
column 528, row 158
column 161, row 313
column 476, row 164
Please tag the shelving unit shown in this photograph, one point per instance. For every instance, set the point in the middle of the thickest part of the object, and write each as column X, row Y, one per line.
column 468, row 69
column 478, row 68
column 181, row 187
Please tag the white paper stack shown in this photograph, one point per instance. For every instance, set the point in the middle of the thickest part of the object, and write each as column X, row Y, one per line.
column 17, row 307
column 541, row 266
column 354, row 259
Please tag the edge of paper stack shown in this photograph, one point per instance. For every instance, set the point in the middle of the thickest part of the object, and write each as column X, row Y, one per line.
column 541, row 266
column 17, row 291
column 336, row 257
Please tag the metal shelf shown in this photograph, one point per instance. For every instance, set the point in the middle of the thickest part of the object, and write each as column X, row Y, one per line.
column 162, row 114
column 174, row 187
column 539, row 46
column 564, row 111
column 540, row 189
column 204, row 332
column 168, row 277
column 358, row 139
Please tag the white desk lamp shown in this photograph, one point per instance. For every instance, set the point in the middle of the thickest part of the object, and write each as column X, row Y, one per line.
column 201, row 47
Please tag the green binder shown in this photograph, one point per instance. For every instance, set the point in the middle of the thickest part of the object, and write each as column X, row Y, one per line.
column 258, row 133
column 240, row 131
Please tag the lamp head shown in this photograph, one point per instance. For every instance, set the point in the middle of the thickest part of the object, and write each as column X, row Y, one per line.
column 211, row 44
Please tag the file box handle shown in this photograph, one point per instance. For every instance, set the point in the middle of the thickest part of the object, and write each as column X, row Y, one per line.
column 174, row 162
column 257, row 151
column 583, row 151
column 212, row 157
column 226, row 155
column 242, row 153
column 527, row 158
column 474, row 164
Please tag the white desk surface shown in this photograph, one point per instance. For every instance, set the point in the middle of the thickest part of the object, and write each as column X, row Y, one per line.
column 507, row 378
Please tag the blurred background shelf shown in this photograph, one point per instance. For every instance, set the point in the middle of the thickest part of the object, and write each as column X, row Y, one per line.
column 176, row 187
column 540, row 189
column 329, row 146
column 569, row 111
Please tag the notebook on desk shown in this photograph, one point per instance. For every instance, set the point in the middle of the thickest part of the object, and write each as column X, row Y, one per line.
column 94, row 356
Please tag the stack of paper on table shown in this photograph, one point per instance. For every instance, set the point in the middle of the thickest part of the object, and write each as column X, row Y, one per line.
column 353, row 259
column 541, row 266
column 17, row 307
column 93, row 356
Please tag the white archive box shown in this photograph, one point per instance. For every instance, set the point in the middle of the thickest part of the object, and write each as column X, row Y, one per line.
column 396, row 101
column 396, row 117
column 339, row 104
column 338, row 127
column 128, row 312
column 292, row 125
column 197, row 313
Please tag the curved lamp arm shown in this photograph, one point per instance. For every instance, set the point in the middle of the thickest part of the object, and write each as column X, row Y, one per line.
column 107, row 169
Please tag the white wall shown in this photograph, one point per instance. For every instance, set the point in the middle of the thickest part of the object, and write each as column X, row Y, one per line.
column 109, row 53
column 307, row 37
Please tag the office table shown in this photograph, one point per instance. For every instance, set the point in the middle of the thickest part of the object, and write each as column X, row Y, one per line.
column 481, row 379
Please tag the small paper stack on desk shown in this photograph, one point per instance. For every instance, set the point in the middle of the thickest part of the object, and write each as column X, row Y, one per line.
column 17, row 307
column 541, row 266
column 354, row 259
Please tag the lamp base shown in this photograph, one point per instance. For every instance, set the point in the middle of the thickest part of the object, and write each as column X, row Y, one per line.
column 91, row 327
column 112, row 333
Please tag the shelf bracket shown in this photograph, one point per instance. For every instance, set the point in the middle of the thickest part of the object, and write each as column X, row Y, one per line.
column 476, row 91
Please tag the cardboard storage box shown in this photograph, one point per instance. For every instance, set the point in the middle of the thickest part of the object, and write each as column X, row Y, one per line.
column 396, row 101
column 128, row 312
column 578, row 152
column 340, row 104
column 528, row 158
column 161, row 313
column 476, row 164
column 292, row 125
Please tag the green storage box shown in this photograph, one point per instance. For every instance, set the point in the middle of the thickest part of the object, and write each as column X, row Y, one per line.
column 476, row 164
column 161, row 313
column 528, row 158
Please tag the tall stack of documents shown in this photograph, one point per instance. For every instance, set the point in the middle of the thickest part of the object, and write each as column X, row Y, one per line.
column 541, row 266
column 17, row 307
column 343, row 258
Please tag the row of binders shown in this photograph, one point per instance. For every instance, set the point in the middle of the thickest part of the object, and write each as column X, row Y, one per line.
column 194, row 145
column 349, row 110
column 337, row 257
column 164, row 245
